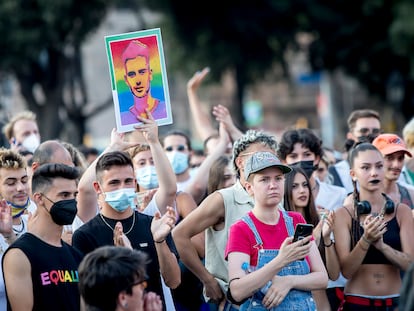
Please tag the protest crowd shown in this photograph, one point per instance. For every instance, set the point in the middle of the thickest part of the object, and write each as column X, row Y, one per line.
column 151, row 224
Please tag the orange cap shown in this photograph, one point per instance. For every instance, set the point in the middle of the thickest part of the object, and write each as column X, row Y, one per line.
column 390, row 143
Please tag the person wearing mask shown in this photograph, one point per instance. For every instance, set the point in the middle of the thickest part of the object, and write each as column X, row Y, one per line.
column 262, row 256
column 376, row 236
column 22, row 132
column 363, row 125
column 40, row 270
column 302, row 148
column 298, row 197
column 115, row 188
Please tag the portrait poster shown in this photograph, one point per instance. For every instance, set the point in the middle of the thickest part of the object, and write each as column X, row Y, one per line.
column 138, row 78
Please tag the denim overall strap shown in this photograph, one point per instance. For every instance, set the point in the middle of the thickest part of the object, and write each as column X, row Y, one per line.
column 296, row 299
column 288, row 223
column 249, row 222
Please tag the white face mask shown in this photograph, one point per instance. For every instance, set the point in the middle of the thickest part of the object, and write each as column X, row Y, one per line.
column 31, row 142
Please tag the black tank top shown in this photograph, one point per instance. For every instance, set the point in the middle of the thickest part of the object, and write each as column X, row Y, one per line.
column 54, row 273
column 391, row 237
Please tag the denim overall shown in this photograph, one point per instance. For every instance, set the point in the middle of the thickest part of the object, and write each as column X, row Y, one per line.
column 296, row 299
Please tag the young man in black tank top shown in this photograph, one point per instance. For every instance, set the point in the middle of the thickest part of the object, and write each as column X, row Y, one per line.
column 40, row 270
column 394, row 150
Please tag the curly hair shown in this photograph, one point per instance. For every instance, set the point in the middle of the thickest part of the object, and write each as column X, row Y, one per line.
column 249, row 138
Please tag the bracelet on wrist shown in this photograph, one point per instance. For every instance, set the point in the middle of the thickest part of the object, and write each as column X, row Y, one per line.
column 329, row 245
column 159, row 242
column 366, row 240
column 363, row 248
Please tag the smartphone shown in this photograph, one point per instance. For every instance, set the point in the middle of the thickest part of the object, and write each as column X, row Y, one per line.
column 302, row 231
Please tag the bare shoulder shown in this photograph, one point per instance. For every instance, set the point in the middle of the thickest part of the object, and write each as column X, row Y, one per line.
column 344, row 214
column 15, row 260
column 402, row 211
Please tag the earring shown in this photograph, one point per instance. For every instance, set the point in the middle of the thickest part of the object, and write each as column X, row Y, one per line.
column 125, row 305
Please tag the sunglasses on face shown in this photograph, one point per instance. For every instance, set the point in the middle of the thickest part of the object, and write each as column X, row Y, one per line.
column 178, row 148
column 366, row 131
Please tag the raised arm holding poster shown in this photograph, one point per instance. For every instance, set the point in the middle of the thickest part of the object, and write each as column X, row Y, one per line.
column 138, row 78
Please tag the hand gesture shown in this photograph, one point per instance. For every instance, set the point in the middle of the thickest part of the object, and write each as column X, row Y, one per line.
column 152, row 302
column 292, row 251
column 118, row 142
column 328, row 224
column 374, row 229
column 222, row 114
column 194, row 83
column 213, row 290
column 148, row 128
column 276, row 292
column 162, row 226
column 145, row 198
column 6, row 219
column 120, row 239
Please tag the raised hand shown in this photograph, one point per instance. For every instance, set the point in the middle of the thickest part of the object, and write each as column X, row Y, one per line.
column 6, row 219
column 148, row 127
column 162, row 226
column 194, row 83
column 120, row 239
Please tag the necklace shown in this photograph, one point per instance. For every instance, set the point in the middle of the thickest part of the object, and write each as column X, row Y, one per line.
column 130, row 229
column 21, row 225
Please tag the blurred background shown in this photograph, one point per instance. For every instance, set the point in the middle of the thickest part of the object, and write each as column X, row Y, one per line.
column 275, row 64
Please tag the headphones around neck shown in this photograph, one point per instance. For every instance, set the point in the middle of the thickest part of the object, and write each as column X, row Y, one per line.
column 364, row 207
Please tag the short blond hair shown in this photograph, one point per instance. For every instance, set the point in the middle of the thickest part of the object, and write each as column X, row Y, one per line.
column 10, row 159
column 8, row 128
column 408, row 134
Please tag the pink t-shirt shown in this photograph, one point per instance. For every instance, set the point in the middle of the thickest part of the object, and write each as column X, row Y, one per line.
column 241, row 237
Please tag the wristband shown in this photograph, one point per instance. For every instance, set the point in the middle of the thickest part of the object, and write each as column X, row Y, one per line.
column 366, row 240
column 159, row 242
column 328, row 245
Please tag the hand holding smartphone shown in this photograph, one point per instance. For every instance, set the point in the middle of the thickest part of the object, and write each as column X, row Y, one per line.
column 302, row 231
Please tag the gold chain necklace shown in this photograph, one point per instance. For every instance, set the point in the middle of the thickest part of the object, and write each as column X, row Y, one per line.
column 130, row 229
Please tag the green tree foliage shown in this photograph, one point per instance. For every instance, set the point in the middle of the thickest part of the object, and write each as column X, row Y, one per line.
column 370, row 40
column 246, row 37
column 355, row 38
column 40, row 45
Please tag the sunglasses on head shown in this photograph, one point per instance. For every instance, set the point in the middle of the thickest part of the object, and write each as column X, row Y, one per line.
column 143, row 282
column 178, row 148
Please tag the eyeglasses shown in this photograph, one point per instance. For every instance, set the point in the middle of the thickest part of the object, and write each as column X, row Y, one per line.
column 366, row 131
column 178, row 148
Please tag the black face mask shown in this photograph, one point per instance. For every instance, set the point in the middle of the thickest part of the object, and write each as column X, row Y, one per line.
column 307, row 167
column 63, row 212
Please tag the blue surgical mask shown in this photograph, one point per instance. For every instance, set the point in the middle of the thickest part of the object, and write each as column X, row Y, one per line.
column 121, row 199
column 147, row 177
column 179, row 161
